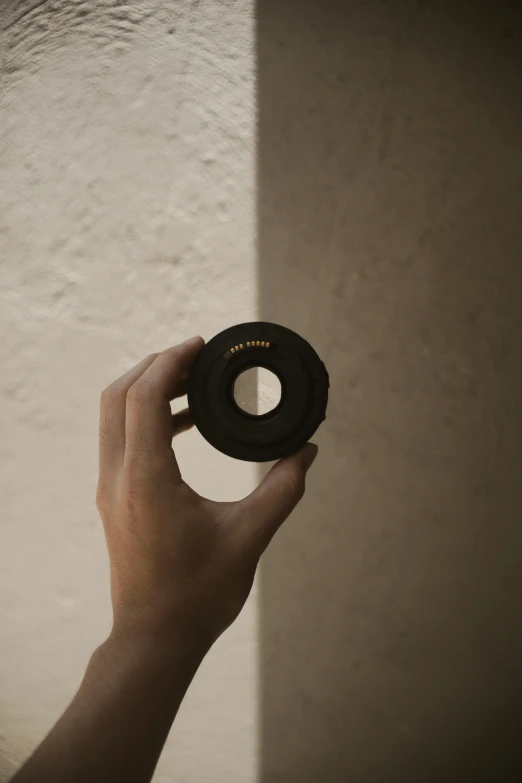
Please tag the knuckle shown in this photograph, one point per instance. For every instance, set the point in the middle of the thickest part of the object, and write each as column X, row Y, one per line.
column 134, row 496
column 136, row 472
column 140, row 468
column 102, row 498
column 105, row 436
column 131, row 495
column 111, row 395
column 140, row 394
column 172, row 354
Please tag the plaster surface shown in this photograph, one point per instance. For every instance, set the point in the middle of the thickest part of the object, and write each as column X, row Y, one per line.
column 126, row 224
column 389, row 203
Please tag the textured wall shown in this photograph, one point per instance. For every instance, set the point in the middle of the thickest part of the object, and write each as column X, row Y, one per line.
column 388, row 206
column 389, row 202
column 126, row 223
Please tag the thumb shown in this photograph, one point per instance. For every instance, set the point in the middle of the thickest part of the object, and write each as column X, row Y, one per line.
column 269, row 505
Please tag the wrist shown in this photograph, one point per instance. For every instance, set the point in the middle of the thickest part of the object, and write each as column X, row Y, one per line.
column 168, row 630
column 154, row 648
column 130, row 657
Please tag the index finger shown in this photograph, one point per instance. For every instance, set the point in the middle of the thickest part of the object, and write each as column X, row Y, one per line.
column 148, row 420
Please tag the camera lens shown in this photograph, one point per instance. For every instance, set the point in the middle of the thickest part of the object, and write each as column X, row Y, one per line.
column 293, row 402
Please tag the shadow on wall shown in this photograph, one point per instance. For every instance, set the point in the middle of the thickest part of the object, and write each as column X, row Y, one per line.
column 390, row 173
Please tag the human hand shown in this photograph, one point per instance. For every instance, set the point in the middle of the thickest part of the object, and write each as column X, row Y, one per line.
column 180, row 563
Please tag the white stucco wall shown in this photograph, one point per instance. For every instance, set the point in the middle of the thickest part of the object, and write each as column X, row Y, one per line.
column 126, row 223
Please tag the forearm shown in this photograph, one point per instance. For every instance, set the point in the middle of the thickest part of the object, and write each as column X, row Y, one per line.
column 115, row 727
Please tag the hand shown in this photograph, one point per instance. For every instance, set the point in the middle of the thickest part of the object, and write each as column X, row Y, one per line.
column 181, row 569
column 180, row 563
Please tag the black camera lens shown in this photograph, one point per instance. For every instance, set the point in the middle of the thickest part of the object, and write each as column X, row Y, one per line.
column 279, row 432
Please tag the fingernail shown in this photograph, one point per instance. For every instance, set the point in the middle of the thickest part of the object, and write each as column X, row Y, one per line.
column 310, row 452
